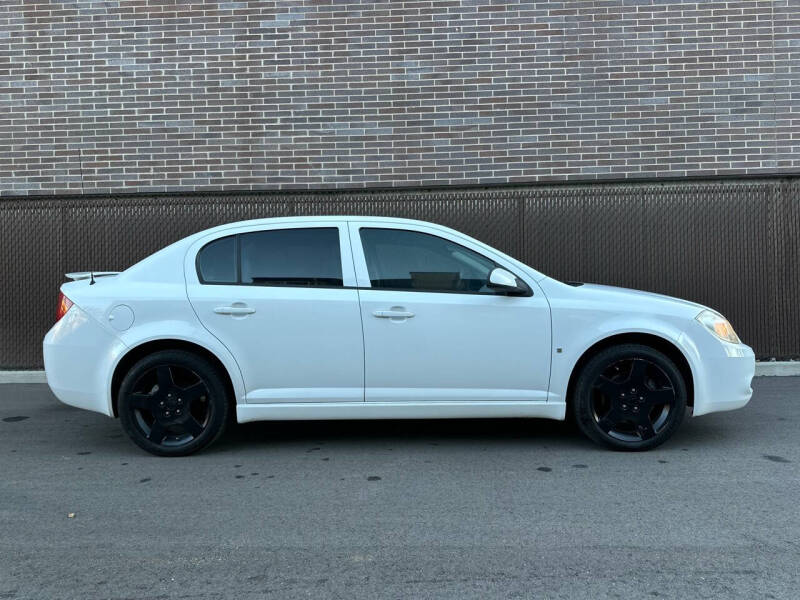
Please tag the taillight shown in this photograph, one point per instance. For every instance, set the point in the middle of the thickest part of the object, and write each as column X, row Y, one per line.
column 64, row 304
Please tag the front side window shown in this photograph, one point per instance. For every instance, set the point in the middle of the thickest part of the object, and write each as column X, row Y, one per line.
column 292, row 257
column 409, row 260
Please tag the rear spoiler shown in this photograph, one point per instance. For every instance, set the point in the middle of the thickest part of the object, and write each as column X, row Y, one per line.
column 90, row 275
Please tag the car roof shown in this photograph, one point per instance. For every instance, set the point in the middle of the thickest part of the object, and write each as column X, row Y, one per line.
column 317, row 219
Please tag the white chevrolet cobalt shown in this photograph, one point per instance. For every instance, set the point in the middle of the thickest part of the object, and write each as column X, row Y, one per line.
column 378, row 318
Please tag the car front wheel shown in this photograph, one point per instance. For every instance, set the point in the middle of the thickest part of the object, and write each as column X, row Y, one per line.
column 629, row 397
column 173, row 403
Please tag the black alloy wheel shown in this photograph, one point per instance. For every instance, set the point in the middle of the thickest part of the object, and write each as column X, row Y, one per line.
column 630, row 397
column 173, row 403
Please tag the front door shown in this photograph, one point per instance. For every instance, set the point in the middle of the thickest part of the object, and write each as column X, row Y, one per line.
column 283, row 300
column 433, row 328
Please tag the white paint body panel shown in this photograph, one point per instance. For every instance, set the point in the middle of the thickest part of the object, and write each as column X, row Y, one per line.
column 79, row 355
column 301, row 344
column 421, row 409
column 318, row 353
column 585, row 315
column 457, row 346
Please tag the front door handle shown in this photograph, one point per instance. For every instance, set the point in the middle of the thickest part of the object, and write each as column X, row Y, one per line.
column 236, row 311
column 393, row 313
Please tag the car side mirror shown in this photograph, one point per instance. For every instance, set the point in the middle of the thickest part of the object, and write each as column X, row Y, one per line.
column 503, row 281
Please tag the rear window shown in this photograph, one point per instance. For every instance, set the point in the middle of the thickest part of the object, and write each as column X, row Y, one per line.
column 308, row 257
column 216, row 261
column 279, row 257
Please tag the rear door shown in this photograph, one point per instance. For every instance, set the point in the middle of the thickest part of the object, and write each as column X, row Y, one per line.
column 282, row 298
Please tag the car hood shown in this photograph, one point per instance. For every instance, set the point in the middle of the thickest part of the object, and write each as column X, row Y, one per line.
column 639, row 298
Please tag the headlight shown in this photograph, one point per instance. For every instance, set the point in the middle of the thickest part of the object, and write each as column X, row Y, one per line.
column 719, row 326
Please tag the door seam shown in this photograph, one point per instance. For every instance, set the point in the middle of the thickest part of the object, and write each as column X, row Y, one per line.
column 361, row 317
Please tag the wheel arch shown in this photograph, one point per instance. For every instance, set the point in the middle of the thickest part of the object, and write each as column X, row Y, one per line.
column 667, row 347
column 136, row 353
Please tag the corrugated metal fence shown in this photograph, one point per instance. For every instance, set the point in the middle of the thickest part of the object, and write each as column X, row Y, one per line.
column 733, row 245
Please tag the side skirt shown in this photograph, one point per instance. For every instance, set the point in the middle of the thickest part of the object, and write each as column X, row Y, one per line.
column 318, row 411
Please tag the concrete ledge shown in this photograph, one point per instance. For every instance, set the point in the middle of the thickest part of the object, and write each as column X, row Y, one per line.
column 779, row 368
column 769, row 369
column 22, row 377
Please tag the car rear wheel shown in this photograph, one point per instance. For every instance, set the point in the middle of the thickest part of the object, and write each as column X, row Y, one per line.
column 629, row 397
column 173, row 403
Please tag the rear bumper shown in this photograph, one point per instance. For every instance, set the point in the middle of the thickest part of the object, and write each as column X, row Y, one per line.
column 78, row 358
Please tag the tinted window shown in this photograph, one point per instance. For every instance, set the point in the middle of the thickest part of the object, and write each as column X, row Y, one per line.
column 291, row 257
column 216, row 261
column 409, row 260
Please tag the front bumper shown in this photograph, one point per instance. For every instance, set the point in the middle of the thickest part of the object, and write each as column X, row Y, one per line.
column 723, row 372
column 78, row 359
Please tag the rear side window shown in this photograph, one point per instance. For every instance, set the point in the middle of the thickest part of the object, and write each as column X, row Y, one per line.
column 216, row 261
column 289, row 257
column 304, row 257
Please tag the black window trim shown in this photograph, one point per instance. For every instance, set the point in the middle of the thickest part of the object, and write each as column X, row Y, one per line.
column 528, row 290
column 238, row 253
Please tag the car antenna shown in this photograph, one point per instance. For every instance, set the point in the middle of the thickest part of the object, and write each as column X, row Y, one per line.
column 91, row 278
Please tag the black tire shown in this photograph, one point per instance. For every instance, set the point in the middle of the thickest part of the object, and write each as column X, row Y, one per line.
column 629, row 397
column 173, row 403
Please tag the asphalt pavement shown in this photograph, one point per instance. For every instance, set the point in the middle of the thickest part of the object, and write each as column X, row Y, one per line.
column 404, row 509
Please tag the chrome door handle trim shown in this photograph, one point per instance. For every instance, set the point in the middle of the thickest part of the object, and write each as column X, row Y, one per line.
column 234, row 310
column 393, row 314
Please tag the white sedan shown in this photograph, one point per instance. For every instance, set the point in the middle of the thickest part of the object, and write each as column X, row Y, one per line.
column 378, row 318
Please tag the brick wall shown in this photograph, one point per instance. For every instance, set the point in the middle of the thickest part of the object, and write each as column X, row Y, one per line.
column 161, row 95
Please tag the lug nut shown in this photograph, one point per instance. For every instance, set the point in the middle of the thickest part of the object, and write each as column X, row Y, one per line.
column 166, row 414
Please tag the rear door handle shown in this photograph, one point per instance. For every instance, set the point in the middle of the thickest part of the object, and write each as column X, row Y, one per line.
column 234, row 310
column 394, row 313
